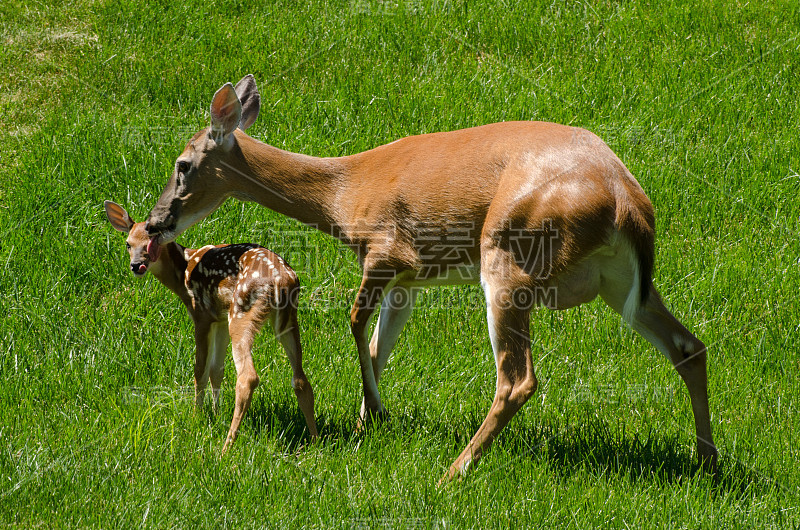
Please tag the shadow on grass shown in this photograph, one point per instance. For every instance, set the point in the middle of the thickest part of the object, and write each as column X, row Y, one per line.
column 592, row 446
column 609, row 450
column 282, row 419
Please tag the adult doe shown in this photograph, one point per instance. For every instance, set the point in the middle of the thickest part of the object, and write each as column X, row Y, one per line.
column 538, row 213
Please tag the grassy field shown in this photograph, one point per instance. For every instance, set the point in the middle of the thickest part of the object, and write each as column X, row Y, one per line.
column 97, row 426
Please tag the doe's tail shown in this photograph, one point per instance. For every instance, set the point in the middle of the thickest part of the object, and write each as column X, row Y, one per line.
column 635, row 219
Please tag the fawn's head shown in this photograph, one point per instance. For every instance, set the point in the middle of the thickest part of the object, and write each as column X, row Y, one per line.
column 197, row 186
column 143, row 250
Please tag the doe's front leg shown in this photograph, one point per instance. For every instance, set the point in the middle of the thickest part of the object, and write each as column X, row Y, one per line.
column 370, row 294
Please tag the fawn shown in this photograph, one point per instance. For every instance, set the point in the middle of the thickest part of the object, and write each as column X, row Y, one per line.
column 229, row 291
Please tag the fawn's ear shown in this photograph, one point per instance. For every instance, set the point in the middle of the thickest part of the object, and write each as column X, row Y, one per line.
column 118, row 217
column 226, row 113
column 247, row 92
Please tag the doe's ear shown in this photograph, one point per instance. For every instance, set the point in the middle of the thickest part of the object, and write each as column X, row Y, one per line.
column 118, row 217
column 249, row 97
column 226, row 112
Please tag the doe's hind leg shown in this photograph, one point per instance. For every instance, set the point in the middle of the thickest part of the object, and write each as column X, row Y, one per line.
column 509, row 331
column 686, row 352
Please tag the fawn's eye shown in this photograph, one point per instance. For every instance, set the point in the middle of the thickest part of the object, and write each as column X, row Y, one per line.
column 183, row 166
column 127, row 246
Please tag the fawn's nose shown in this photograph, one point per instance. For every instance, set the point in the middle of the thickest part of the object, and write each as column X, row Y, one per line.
column 138, row 268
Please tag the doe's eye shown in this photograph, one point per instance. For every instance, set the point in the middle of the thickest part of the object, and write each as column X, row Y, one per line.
column 183, row 166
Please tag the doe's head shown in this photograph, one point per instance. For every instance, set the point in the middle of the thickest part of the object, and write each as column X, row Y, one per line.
column 143, row 249
column 197, row 186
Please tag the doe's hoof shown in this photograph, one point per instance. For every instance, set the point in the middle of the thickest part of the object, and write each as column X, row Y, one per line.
column 371, row 419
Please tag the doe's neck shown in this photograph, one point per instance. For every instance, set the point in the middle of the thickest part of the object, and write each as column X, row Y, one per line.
column 303, row 187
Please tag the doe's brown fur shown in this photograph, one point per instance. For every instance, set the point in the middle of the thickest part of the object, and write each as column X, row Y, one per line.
column 538, row 213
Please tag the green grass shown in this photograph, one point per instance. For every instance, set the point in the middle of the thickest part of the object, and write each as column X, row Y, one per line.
column 97, row 426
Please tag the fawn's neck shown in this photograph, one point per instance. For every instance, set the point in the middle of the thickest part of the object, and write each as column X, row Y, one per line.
column 170, row 270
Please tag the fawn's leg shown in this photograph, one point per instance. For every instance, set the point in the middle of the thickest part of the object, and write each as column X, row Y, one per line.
column 218, row 346
column 289, row 337
column 242, row 332
column 201, row 364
